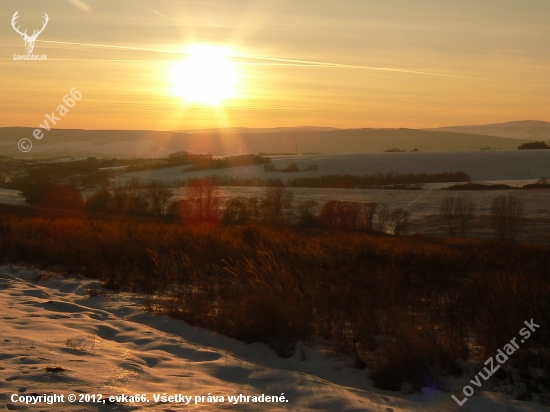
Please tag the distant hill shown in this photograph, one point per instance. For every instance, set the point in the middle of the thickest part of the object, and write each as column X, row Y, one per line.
column 142, row 143
column 525, row 129
column 258, row 129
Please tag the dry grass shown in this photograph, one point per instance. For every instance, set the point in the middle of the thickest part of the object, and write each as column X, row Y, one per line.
column 410, row 308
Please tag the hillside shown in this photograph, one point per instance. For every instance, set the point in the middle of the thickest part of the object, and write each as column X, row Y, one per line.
column 525, row 129
column 142, row 143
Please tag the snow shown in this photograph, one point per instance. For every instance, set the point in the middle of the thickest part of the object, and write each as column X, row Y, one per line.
column 12, row 197
column 109, row 345
column 482, row 166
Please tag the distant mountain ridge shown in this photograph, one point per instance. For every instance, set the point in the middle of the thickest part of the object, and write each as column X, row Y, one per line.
column 143, row 143
column 258, row 129
column 523, row 129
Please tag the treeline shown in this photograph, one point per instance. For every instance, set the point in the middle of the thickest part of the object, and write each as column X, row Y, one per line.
column 413, row 310
column 533, row 146
column 379, row 179
column 542, row 183
column 32, row 176
column 204, row 203
column 197, row 162
column 173, row 160
column 230, row 161
column 346, row 181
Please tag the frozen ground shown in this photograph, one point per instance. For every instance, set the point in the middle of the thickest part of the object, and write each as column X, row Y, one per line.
column 55, row 339
column 480, row 165
column 11, row 197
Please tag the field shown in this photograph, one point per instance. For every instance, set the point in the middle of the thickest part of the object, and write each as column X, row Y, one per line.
column 480, row 165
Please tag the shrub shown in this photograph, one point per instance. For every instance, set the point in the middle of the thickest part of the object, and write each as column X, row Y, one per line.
column 293, row 167
column 400, row 220
column 533, row 145
column 457, row 213
column 101, row 201
column 506, row 212
column 60, row 196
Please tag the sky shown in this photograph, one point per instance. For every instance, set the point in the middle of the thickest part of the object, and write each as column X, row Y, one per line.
column 346, row 64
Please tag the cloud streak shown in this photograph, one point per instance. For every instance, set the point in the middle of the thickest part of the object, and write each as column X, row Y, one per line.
column 279, row 61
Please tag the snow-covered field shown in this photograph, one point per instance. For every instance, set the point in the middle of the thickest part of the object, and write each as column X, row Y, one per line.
column 56, row 339
column 424, row 206
column 480, row 165
column 11, row 197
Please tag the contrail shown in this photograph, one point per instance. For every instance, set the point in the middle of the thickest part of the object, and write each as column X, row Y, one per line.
column 304, row 63
column 108, row 46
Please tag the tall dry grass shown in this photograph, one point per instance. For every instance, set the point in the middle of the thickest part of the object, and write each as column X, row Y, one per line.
column 411, row 309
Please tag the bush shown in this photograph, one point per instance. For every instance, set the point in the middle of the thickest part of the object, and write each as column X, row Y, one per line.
column 506, row 212
column 60, row 196
column 307, row 213
column 348, row 215
column 293, row 167
column 533, row 146
column 101, row 201
column 400, row 221
column 457, row 213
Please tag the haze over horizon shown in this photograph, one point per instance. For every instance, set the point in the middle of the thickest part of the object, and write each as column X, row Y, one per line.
column 184, row 65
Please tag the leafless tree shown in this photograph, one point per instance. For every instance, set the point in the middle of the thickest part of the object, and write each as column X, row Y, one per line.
column 400, row 220
column 465, row 209
column 253, row 208
column 135, row 193
column 307, row 212
column 120, row 199
column 159, row 196
column 202, row 203
column 457, row 213
column 276, row 206
column 369, row 210
column 448, row 214
column 506, row 212
column 382, row 217
column 236, row 210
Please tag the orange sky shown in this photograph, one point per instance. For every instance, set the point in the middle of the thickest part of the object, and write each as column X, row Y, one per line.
column 353, row 63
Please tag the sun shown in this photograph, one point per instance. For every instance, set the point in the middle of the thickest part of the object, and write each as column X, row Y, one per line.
column 207, row 76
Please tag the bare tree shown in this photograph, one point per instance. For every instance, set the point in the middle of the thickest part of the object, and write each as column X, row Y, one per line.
column 448, row 214
column 457, row 213
column 100, row 201
column 253, row 208
column 236, row 210
column 382, row 217
column 307, row 211
column 203, row 202
column 400, row 220
column 465, row 209
column 506, row 212
column 276, row 206
column 369, row 210
column 135, row 195
column 348, row 215
column 159, row 196
column 120, row 199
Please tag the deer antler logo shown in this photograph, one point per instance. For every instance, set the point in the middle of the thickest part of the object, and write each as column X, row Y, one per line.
column 29, row 40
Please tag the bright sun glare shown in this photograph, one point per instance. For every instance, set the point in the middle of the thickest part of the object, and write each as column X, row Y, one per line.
column 206, row 77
